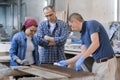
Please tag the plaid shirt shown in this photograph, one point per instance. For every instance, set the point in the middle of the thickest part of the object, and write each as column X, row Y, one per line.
column 51, row 54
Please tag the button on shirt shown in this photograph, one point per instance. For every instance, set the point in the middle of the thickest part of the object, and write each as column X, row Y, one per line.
column 90, row 27
column 51, row 54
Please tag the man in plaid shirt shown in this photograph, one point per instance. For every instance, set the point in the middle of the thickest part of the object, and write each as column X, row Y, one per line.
column 52, row 35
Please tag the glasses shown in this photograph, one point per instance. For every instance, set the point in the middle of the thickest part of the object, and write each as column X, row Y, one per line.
column 48, row 15
column 33, row 31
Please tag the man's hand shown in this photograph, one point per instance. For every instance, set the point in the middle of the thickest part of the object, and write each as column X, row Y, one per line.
column 24, row 62
column 47, row 37
column 79, row 62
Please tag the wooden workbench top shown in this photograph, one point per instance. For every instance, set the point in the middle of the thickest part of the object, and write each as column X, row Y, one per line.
column 68, row 72
column 53, row 72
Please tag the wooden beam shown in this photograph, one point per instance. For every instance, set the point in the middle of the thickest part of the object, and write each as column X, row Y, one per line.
column 53, row 72
column 39, row 72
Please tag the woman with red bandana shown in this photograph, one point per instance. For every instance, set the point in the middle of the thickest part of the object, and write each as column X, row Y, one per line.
column 24, row 47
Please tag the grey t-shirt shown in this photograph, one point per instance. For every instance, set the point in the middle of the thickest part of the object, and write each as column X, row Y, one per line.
column 29, row 50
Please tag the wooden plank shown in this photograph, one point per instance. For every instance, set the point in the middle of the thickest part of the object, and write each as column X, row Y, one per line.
column 4, row 58
column 6, row 72
column 4, row 53
column 63, row 71
column 44, row 73
column 117, row 76
column 39, row 72
column 46, row 69
column 4, row 46
column 18, row 73
column 32, row 78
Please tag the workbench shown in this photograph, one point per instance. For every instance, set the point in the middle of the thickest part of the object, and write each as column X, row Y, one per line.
column 4, row 53
column 5, row 58
column 53, row 72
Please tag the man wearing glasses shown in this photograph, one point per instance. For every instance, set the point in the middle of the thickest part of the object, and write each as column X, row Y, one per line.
column 52, row 35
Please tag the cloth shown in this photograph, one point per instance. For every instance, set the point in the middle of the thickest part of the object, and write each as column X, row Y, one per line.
column 51, row 54
column 105, row 70
column 18, row 48
column 30, row 22
column 90, row 27
column 61, row 63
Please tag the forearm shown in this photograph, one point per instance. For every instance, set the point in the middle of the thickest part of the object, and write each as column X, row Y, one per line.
column 16, row 58
column 75, row 58
column 60, row 40
column 51, row 44
column 56, row 40
column 90, row 50
column 40, row 37
column 50, row 40
column 42, row 42
column 95, row 43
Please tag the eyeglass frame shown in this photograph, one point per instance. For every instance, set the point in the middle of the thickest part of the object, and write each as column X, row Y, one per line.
column 49, row 15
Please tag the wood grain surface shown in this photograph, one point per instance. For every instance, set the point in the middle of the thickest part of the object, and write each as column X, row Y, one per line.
column 68, row 72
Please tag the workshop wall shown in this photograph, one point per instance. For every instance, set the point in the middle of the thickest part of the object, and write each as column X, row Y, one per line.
column 118, row 10
column 2, row 19
column 101, row 10
column 5, row 18
column 35, row 8
column 29, row 8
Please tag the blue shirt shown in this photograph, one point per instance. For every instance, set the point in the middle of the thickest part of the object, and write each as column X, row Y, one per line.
column 18, row 48
column 51, row 54
column 105, row 48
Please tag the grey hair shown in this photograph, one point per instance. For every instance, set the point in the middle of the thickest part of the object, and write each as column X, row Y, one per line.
column 49, row 6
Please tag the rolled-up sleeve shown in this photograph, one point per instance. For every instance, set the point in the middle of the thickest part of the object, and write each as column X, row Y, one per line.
column 40, row 36
column 61, row 40
column 13, row 49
